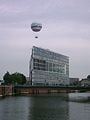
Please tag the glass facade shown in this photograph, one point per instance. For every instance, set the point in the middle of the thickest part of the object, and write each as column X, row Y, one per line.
column 48, row 68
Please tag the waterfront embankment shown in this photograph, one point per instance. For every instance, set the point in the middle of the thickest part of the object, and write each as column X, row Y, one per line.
column 6, row 90
column 9, row 90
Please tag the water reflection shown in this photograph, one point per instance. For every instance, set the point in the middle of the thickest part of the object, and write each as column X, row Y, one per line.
column 79, row 111
column 79, row 97
column 79, row 106
column 14, row 108
column 51, row 107
column 44, row 107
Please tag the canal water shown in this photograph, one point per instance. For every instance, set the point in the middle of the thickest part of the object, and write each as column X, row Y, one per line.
column 74, row 106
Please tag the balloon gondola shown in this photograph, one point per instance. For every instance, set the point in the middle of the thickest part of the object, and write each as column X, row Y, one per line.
column 36, row 27
column 36, row 36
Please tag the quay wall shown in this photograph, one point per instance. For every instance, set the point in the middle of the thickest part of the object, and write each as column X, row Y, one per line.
column 28, row 90
column 8, row 90
column 41, row 90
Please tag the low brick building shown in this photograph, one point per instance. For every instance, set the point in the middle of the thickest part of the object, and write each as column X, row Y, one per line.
column 74, row 81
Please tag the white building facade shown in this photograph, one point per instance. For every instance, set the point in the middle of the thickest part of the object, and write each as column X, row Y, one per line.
column 48, row 68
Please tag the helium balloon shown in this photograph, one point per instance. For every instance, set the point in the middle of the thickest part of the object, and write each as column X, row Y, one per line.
column 36, row 27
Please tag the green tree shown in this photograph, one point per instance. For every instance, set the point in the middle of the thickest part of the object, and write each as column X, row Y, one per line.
column 15, row 78
column 7, row 78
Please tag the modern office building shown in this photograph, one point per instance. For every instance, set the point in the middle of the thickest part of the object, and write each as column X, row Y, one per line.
column 48, row 68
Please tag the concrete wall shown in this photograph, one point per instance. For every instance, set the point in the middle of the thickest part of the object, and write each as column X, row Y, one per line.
column 22, row 90
column 27, row 91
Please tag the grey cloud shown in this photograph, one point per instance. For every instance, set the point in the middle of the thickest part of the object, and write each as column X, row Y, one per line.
column 51, row 10
column 66, row 26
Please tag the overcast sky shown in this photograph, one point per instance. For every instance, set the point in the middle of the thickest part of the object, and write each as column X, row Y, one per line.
column 66, row 30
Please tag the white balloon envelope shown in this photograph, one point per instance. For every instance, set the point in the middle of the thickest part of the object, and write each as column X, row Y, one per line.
column 36, row 27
